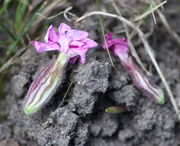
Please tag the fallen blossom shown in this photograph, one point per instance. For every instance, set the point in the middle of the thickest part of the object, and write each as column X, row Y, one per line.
column 119, row 47
column 71, row 44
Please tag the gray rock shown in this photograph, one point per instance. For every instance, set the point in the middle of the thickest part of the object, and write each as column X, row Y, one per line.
column 146, row 121
column 127, row 96
column 105, row 142
column 94, row 76
column 105, row 125
column 91, row 78
column 5, row 132
column 118, row 79
column 97, row 142
column 9, row 142
column 82, row 102
column 60, row 130
column 18, row 82
column 125, row 134
column 81, row 135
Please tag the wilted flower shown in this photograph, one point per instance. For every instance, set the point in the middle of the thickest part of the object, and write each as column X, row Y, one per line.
column 72, row 44
column 120, row 48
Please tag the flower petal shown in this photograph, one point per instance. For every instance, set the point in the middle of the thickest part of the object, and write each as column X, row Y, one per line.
column 80, row 52
column 118, row 46
column 89, row 43
column 63, row 29
column 79, row 48
column 82, row 57
column 77, row 34
column 76, row 44
column 64, row 44
column 42, row 47
column 51, row 35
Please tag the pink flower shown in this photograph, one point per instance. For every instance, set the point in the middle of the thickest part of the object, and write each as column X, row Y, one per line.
column 74, row 43
column 120, row 48
column 117, row 46
column 71, row 44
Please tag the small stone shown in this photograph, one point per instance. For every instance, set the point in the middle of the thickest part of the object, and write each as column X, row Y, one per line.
column 18, row 83
column 82, row 101
column 94, row 77
column 5, row 132
column 81, row 135
column 126, row 96
column 125, row 135
column 106, row 125
column 9, row 142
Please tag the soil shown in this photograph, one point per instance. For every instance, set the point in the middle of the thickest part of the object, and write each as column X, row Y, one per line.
column 81, row 119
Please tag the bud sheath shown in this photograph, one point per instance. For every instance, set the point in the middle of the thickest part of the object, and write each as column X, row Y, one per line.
column 44, row 84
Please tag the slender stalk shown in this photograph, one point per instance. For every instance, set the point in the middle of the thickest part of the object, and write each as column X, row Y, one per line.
column 102, row 30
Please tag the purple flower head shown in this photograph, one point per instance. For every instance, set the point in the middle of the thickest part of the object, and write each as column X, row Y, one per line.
column 117, row 46
column 74, row 43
